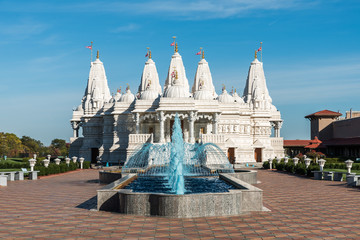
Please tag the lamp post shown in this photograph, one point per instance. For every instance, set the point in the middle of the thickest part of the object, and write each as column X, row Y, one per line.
column 321, row 164
column 81, row 160
column 57, row 161
column 46, row 162
column 296, row 160
column 270, row 162
column 67, row 160
column 307, row 162
column 32, row 164
column 349, row 165
column 74, row 159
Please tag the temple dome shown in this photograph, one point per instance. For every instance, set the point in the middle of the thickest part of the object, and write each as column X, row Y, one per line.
column 117, row 96
column 79, row 108
column 128, row 97
column 237, row 98
column 224, row 97
column 176, row 91
column 203, row 94
column 149, row 94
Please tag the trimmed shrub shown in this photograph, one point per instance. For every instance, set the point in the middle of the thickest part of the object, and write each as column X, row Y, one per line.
column 86, row 165
column 280, row 166
column 290, row 167
column 266, row 165
column 300, row 168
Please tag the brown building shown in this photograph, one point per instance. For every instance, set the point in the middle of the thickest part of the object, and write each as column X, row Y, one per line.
column 331, row 135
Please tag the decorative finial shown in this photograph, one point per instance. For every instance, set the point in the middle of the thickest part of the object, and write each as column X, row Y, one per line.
column 223, row 87
column 120, row 89
column 255, row 54
column 149, row 54
column 235, row 90
column 97, row 54
column 203, row 54
column 176, row 47
column 127, row 87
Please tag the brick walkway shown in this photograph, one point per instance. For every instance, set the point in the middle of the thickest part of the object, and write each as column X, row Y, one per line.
column 57, row 207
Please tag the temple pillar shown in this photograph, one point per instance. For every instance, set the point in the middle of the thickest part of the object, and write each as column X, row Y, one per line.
column 161, row 118
column 215, row 123
column 75, row 127
column 137, row 122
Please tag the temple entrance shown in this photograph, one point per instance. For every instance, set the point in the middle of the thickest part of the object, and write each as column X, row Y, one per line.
column 257, row 155
column 94, row 154
column 231, row 155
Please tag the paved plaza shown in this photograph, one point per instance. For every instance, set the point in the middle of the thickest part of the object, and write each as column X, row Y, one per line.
column 59, row 207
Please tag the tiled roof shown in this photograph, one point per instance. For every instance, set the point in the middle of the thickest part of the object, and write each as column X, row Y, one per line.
column 296, row 143
column 324, row 113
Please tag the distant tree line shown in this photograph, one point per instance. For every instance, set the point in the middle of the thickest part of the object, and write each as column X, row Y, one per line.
column 13, row 146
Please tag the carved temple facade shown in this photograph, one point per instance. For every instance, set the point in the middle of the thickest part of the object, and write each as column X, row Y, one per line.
column 246, row 128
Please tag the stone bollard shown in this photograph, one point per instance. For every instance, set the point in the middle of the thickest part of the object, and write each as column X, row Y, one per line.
column 296, row 160
column 81, row 160
column 349, row 165
column 46, row 162
column 57, row 161
column 286, row 160
column 270, row 162
column 74, row 159
column 321, row 164
column 32, row 164
column 307, row 162
column 67, row 160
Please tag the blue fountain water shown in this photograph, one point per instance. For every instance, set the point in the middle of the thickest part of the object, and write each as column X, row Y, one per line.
column 176, row 160
column 176, row 170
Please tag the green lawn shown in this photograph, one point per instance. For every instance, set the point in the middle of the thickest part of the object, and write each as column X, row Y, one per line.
column 341, row 170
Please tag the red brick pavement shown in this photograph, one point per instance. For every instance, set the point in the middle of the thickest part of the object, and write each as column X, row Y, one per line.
column 58, row 208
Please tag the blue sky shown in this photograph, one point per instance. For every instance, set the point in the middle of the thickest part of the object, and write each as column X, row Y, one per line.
column 310, row 53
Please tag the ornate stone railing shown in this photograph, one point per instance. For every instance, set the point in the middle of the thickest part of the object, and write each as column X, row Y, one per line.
column 213, row 138
column 277, row 142
column 139, row 138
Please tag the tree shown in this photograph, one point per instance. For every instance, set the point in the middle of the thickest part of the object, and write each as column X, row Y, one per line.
column 33, row 146
column 59, row 147
column 10, row 145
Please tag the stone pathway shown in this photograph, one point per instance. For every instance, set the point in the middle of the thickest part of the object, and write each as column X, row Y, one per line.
column 57, row 207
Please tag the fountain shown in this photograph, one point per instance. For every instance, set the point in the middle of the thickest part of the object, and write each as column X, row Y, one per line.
column 179, row 179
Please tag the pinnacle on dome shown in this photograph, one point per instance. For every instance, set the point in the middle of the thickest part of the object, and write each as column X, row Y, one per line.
column 97, row 54
column 255, row 88
column 177, row 77
column 97, row 91
column 149, row 80
column 203, row 80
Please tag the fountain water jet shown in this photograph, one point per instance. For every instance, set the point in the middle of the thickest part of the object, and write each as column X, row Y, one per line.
column 176, row 160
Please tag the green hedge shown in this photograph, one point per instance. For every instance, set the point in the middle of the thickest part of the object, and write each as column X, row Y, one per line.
column 54, row 169
column 300, row 168
column 11, row 164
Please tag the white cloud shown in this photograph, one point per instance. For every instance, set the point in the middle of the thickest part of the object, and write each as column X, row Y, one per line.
column 183, row 9
column 126, row 28
column 22, row 29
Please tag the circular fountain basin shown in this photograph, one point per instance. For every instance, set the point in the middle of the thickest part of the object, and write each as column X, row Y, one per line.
column 242, row 198
column 193, row 185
